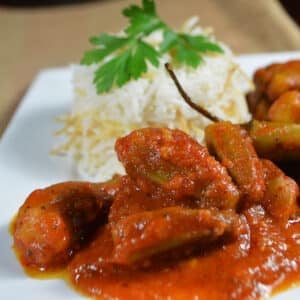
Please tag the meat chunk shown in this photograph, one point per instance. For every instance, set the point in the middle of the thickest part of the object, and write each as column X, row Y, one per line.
column 142, row 235
column 131, row 200
column 55, row 221
column 173, row 161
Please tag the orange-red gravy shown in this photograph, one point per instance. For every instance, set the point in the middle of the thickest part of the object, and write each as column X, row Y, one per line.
column 265, row 258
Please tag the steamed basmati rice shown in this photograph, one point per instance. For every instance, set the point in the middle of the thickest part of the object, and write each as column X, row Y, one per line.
column 96, row 121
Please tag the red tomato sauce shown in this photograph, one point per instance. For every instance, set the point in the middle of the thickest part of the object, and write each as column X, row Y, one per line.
column 264, row 259
column 167, row 234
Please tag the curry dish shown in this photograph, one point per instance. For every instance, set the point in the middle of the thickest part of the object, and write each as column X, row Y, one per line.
column 185, row 222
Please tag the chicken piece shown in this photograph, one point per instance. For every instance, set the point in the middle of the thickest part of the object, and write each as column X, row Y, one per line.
column 131, row 200
column 286, row 108
column 280, row 199
column 276, row 140
column 55, row 221
column 145, row 234
column 233, row 147
column 173, row 161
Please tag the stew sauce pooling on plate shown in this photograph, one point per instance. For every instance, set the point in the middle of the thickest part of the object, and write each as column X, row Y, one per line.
column 179, row 225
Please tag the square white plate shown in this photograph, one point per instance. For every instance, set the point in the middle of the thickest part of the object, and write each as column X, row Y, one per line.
column 25, row 164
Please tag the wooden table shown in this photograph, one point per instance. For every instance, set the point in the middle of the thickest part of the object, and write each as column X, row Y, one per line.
column 32, row 39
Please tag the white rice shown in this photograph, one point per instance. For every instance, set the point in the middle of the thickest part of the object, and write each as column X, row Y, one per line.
column 96, row 121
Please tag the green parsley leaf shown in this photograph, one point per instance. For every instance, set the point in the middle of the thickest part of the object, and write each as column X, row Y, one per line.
column 122, row 58
column 92, row 56
column 149, row 53
column 107, row 44
column 142, row 19
column 108, row 41
column 131, row 63
column 144, row 25
column 201, row 43
column 148, row 7
column 112, row 71
column 137, row 64
column 188, row 48
column 188, row 56
column 170, row 40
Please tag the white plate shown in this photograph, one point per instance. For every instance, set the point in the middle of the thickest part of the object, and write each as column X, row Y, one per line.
column 25, row 164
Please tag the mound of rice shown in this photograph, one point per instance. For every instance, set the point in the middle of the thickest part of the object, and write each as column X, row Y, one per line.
column 96, row 121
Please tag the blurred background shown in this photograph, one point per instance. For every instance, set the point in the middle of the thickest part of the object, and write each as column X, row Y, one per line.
column 49, row 33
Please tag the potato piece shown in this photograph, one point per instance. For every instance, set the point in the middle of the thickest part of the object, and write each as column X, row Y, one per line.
column 286, row 78
column 286, row 108
column 276, row 79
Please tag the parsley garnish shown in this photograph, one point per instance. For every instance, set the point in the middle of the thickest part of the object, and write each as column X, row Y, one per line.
column 124, row 58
